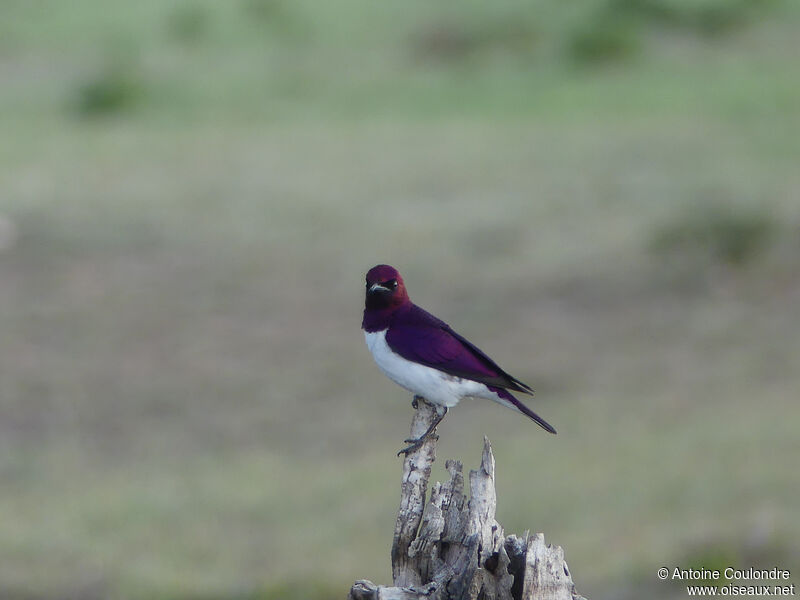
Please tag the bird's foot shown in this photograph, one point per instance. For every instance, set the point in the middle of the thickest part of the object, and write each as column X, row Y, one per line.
column 430, row 432
column 415, row 402
column 415, row 443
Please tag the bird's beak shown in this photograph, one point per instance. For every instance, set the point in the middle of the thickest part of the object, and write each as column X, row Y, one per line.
column 377, row 287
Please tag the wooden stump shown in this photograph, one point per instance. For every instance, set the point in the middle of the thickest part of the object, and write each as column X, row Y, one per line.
column 453, row 548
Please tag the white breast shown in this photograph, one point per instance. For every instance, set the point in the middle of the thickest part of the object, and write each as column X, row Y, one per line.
column 433, row 385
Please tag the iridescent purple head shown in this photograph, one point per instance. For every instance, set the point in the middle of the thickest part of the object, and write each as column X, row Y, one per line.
column 385, row 288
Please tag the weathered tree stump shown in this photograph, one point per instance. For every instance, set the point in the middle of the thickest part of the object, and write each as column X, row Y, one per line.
column 454, row 549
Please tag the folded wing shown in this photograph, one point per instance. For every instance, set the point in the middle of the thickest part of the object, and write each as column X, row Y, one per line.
column 420, row 337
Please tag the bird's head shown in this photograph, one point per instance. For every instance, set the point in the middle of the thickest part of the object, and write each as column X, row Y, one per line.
column 385, row 288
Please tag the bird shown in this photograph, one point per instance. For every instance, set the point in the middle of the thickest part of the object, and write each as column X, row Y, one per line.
column 424, row 355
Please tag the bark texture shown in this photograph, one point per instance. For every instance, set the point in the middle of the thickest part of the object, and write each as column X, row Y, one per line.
column 453, row 548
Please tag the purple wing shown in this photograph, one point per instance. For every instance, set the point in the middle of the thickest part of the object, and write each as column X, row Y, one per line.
column 420, row 337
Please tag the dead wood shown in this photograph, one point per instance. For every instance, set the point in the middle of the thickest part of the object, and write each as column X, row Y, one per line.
column 453, row 548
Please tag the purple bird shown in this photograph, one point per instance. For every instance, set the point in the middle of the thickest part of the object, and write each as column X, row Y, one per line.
column 422, row 354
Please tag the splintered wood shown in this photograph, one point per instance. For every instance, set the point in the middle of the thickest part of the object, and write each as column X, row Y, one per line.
column 453, row 548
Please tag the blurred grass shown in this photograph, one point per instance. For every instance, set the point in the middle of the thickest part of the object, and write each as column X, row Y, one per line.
column 186, row 406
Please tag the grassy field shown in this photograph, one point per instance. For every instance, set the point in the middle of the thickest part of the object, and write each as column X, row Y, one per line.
column 605, row 197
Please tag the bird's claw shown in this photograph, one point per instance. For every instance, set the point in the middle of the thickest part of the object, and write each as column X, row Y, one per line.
column 415, row 402
column 415, row 443
column 429, row 433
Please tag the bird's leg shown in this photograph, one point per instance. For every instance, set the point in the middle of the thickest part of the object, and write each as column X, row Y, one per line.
column 415, row 402
column 417, row 442
column 430, row 429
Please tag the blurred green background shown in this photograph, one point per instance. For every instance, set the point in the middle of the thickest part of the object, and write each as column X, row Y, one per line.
column 605, row 195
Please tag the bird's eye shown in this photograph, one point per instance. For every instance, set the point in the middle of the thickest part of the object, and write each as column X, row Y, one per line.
column 392, row 283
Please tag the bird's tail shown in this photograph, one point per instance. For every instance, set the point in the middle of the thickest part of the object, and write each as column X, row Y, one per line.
column 505, row 398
